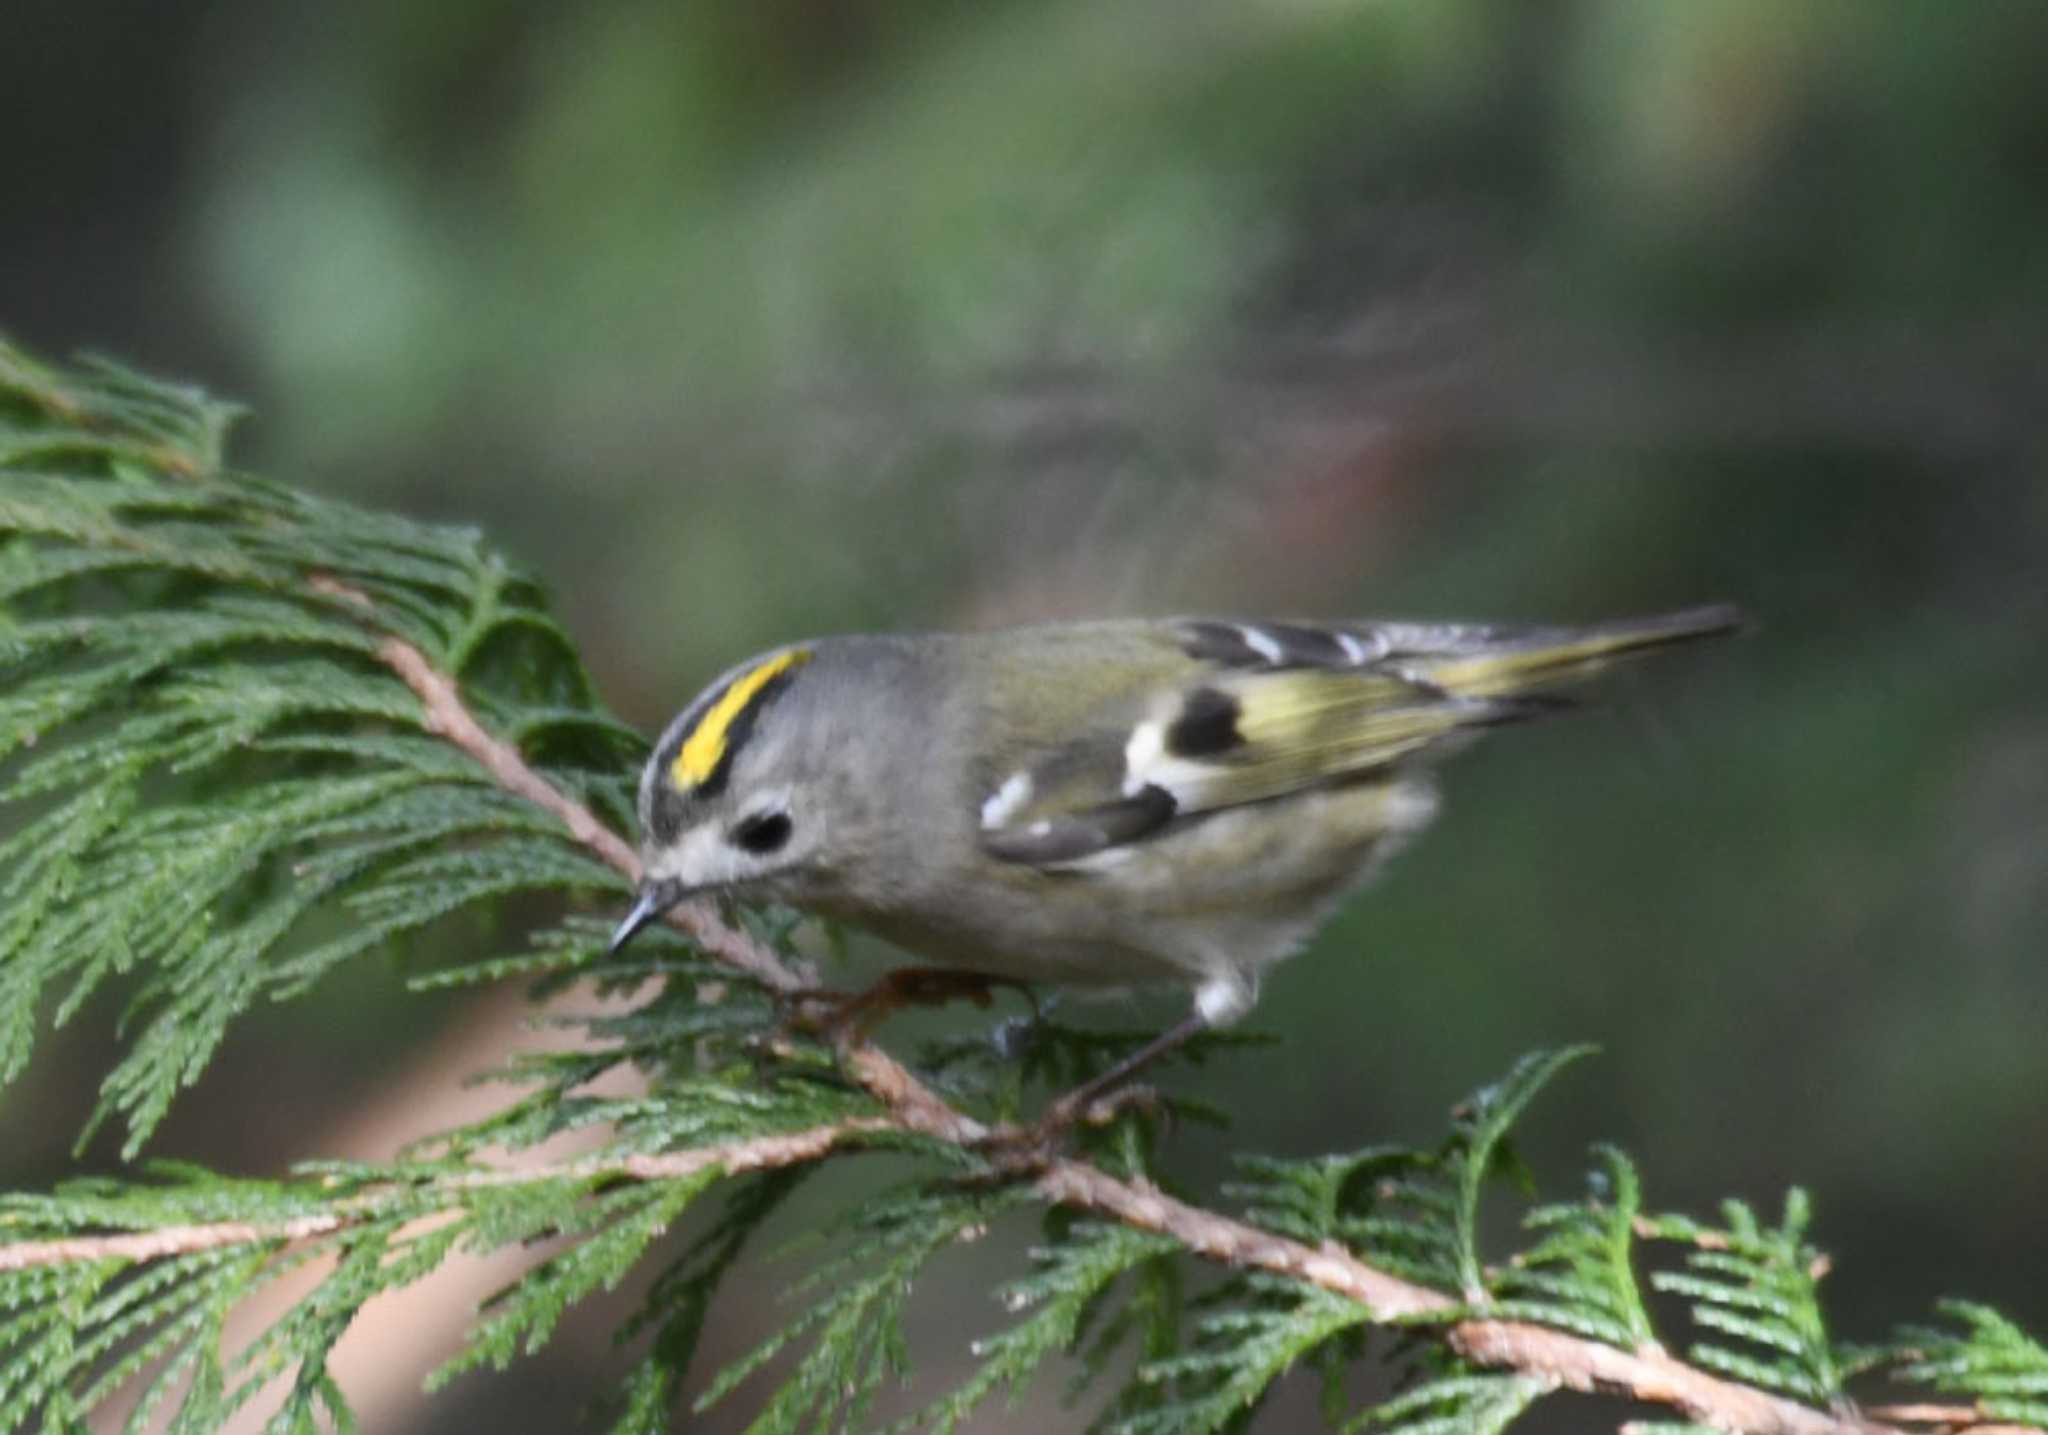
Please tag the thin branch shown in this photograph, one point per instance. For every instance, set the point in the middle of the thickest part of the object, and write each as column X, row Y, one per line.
column 449, row 717
column 1561, row 1359
column 164, row 1242
column 1960, row 1419
column 1650, row 1376
column 1233, row 1243
column 758, row 1153
column 1929, row 1414
column 1554, row 1356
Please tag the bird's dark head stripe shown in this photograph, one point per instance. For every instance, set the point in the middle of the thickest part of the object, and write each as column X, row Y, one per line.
column 1206, row 726
column 667, row 810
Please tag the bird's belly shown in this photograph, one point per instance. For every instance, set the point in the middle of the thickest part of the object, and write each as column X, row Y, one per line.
column 1024, row 949
column 1227, row 894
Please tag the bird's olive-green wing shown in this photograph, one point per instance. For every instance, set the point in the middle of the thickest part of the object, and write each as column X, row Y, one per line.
column 1262, row 710
column 1257, row 712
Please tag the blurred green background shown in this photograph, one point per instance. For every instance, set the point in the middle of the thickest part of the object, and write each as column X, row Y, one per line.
column 744, row 320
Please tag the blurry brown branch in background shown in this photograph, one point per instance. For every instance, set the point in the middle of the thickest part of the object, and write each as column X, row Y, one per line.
column 1554, row 1357
column 1942, row 396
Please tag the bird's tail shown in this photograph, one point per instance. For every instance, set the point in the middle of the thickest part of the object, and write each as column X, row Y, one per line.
column 1503, row 664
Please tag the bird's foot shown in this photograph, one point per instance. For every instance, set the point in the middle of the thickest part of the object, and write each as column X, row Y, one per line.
column 846, row 1018
column 1034, row 1143
column 1095, row 1102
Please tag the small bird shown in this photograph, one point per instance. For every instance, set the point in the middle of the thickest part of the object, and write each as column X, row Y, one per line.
column 1101, row 804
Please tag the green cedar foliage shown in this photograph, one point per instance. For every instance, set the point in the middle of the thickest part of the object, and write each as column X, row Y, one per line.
column 214, row 788
column 218, row 790
column 1982, row 1355
column 1760, row 1285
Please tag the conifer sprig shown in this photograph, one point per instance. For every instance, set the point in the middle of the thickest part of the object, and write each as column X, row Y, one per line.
column 220, row 787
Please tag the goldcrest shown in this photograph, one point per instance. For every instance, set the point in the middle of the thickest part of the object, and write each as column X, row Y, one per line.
column 1099, row 804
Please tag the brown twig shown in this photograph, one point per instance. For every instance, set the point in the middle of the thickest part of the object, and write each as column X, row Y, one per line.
column 1955, row 1417
column 1556, row 1357
column 756, row 1153
column 449, row 717
column 165, row 1241
column 1651, row 1376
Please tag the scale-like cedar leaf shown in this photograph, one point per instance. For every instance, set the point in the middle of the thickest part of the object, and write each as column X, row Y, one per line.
column 1071, row 1281
column 852, row 1331
column 1761, row 1285
column 1580, row 1275
column 1989, row 1358
column 217, row 785
column 1238, row 1352
column 1460, row 1403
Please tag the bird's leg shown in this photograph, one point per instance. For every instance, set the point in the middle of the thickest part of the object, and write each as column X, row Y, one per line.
column 849, row 1016
column 1074, row 1105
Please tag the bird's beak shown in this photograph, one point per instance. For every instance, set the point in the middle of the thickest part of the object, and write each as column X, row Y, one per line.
column 654, row 899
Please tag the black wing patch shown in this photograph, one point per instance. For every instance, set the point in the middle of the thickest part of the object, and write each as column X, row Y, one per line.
column 1082, row 834
column 1206, row 726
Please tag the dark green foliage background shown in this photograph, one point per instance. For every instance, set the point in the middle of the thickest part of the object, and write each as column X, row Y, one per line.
column 739, row 320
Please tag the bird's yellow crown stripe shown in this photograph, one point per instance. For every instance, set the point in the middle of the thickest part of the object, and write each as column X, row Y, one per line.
column 699, row 755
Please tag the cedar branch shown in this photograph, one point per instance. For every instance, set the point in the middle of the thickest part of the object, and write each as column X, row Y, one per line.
column 1557, row 1357
column 757, row 1153
column 1553, row 1356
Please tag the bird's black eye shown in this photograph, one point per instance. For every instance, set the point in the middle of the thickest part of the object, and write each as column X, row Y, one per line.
column 762, row 833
